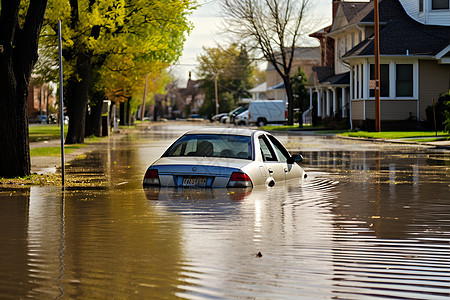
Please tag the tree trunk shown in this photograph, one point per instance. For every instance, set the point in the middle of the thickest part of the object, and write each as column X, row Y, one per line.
column 18, row 55
column 122, row 114
column 77, row 99
column 94, row 118
column 290, row 100
column 14, row 141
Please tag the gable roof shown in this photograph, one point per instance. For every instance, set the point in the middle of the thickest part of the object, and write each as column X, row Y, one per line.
column 401, row 34
column 347, row 14
column 354, row 11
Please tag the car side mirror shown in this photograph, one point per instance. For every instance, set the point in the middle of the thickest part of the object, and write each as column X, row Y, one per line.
column 294, row 159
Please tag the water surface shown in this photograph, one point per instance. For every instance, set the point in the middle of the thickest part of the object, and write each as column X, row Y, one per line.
column 371, row 220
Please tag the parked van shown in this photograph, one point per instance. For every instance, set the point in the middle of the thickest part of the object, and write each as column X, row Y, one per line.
column 262, row 112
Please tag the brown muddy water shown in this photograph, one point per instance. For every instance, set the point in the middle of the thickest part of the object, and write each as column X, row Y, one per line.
column 370, row 221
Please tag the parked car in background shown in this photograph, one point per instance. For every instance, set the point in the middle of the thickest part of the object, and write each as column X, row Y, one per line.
column 216, row 118
column 241, row 119
column 262, row 112
column 39, row 119
column 195, row 117
column 232, row 115
column 224, row 157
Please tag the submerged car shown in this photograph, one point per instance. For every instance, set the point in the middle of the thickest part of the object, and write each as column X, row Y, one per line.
column 224, row 157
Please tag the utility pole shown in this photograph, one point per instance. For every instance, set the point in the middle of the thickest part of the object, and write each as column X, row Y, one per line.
column 377, row 68
column 217, row 96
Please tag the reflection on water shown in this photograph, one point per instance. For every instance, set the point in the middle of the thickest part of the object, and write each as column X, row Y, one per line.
column 369, row 221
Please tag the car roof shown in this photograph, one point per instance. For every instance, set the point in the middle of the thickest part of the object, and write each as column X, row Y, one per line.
column 224, row 130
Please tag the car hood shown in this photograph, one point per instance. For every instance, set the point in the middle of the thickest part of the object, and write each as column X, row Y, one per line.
column 199, row 165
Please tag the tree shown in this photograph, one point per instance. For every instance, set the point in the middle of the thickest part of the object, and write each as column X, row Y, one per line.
column 20, row 24
column 99, row 36
column 274, row 28
column 300, row 93
column 234, row 70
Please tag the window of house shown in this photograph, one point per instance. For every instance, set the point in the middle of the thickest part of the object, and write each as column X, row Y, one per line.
column 420, row 5
column 404, row 80
column 338, row 47
column 384, row 80
column 440, row 4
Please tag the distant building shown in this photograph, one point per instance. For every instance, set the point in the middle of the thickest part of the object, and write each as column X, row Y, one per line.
column 305, row 58
column 40, row 99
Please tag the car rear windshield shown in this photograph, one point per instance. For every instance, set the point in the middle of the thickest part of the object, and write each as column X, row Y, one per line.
column 212, row 145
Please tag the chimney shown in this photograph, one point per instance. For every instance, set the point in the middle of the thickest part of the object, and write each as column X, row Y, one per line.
column 335, row 7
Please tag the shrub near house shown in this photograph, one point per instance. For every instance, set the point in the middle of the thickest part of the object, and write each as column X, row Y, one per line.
column 441, row 112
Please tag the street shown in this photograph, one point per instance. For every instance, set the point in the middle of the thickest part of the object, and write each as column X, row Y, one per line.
column 370, row 220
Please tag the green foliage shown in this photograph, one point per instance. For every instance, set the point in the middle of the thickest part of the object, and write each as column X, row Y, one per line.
column 445, row 99
column 299, row 81
column 234, row 70
column 441, row 112
column 109, row 46
column 127, row 39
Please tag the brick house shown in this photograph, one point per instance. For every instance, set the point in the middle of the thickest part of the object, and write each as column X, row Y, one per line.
column 40, row 99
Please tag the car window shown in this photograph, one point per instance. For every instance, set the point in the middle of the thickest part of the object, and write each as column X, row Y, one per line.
column 212, row 145
column 282, row 153
column 266, row 149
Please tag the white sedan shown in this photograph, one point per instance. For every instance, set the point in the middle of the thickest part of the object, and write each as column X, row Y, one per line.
column 224, row 157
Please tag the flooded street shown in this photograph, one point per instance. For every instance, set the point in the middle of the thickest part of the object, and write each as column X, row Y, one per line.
column 371, row 220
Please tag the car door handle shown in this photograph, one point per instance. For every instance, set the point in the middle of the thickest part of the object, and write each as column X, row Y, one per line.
column 286, row 171
column 270, row 172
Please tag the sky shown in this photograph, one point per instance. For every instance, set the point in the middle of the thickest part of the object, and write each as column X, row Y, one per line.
column 207, row 27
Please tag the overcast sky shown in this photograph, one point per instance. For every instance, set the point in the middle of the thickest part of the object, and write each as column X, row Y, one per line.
column 207, row 26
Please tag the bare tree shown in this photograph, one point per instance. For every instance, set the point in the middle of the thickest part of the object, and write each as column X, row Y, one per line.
column 274, row 28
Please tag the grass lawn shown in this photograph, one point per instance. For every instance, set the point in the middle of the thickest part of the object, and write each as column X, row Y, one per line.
column 54, row 151
column 417, row 136
column 430, row 135
column 45, row 132
column 286, row 127
column 52, row 132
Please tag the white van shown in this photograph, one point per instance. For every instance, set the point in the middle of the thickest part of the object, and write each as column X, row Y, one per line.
column 262, row 112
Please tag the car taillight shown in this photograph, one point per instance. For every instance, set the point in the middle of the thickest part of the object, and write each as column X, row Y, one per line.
column 239, row 179
column 151, row 177
column 286, row 114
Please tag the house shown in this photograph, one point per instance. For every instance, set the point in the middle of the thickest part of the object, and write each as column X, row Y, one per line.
column 305, row 58
column 40, row 99
column 414, row 62
column 430, row 12
column 259, row 92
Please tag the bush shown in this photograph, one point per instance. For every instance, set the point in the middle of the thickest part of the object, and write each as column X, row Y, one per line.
column 442, row 110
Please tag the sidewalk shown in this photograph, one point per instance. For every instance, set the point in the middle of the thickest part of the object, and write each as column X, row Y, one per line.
column 49, row 164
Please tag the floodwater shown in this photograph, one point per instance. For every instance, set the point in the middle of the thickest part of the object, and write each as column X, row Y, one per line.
column 370, row 221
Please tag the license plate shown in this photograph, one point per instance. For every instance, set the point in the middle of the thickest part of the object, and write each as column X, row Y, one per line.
column 194, row 181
